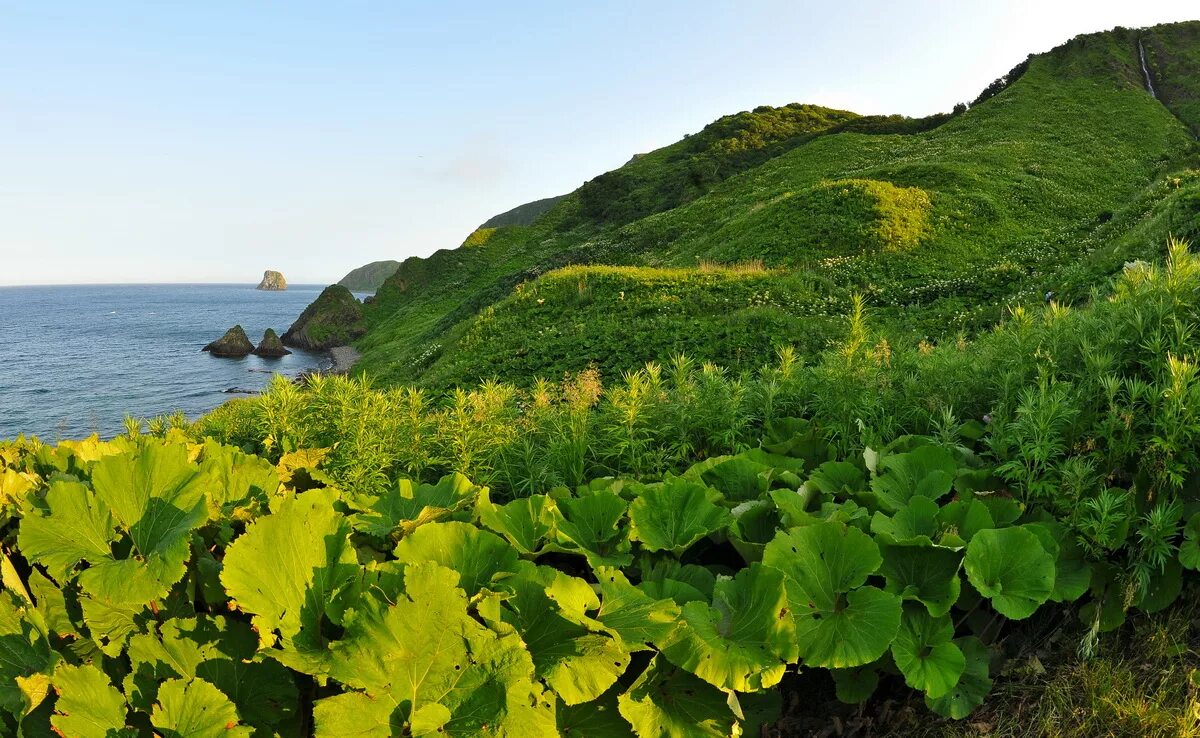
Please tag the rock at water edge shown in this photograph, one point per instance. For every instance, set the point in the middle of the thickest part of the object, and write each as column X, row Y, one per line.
column 234, row 344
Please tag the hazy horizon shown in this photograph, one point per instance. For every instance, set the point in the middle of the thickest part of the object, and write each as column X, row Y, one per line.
column 149, row 144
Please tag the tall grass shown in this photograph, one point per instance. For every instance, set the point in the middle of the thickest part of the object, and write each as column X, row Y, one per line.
column 1111, row 388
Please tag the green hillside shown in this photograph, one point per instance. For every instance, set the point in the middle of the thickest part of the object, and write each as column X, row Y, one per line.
column 1059, row 174
column 369, row 277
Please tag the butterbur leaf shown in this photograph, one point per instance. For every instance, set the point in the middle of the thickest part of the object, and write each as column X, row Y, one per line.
column 288, row 569
column 623, row 610
column 915, row 523
column 966, row 517
column 838, row 478
column 150, row 500
column 927, row 471
column 928, row 574
column 358, row 715
column 240, row 482
column 683, row 583
column 25, row 652
column 427, row 648
column 195, row 709
column 839, row 622
column 925, row 652
column 1163, row 588
column 600, row 718
column 475, row 554
column 793, row 505
column 754, row 525
column 592, row 525
column 525, row 522
column 157, row 498
column 88, row 706
column 220, row 652
column 74, row 527
column 300, row 470
column 407, row 506
column 738, row 478
column 972, row 686
column 429, row 719
column 744, row 640
column 577, row 664
column 855, row 685
column 1072, row 572
column 673, row 515
column 1011, row 568
column 667, row 702
column 798, row 438
column 1189, row 550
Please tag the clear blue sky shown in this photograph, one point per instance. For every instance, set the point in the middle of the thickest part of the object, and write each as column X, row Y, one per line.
column 207, row 141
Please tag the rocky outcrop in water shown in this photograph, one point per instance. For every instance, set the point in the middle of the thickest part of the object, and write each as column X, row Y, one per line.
column 234, row 344
column 273, row 281
column 270, row 346
column 334, row 319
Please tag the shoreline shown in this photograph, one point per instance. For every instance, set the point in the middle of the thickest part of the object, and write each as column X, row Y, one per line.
column 343, row 359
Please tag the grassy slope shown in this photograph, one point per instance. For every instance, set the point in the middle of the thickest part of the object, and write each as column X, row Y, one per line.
column 369, row 277
column 1021, row 191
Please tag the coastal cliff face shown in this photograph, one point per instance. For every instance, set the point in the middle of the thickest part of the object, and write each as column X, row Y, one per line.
column 273, row 281
column 334, row 319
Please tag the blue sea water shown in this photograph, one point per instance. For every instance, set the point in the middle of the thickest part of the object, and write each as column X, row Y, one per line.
column 75, row 360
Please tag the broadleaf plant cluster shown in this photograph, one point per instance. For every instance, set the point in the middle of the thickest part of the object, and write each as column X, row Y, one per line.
column 181, row 588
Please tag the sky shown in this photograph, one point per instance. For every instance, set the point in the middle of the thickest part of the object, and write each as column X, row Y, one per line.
column 209, row 141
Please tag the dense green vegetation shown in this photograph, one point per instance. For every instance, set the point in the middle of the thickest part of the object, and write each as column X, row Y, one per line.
column 660, row 554
column 1064, row 171
column 775, row 430
column 369, row 277
column 522, row 214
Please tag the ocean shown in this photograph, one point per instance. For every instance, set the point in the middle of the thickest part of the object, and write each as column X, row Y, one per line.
column 75, row 360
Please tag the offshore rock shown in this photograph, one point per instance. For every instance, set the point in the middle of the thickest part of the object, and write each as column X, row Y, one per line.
column 334, row 319
column 272, row 281
column 270, row 346
column 234, row 344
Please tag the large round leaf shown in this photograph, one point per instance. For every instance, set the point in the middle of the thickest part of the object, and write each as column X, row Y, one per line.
column 675, row 514
column 475, row 554
column 927, row 573
column 927, row 471
column 914, row 523
column 839, row 621
column 288, row 568
column 88, row 706
column 1012, row 568
column 926, row 654
column 744, row 640
column 856, row 631
column 666, row 702
column 1072, row 572
column 972, row 686
column 592, row 525
column 525, row 522
column 195, row 709
column 426, row 648
column 577, row 664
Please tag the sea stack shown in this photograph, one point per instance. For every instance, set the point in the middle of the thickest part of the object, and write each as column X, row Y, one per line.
column 270, row 346
column 234, row 344
column 272, row 281
column 334, row 319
